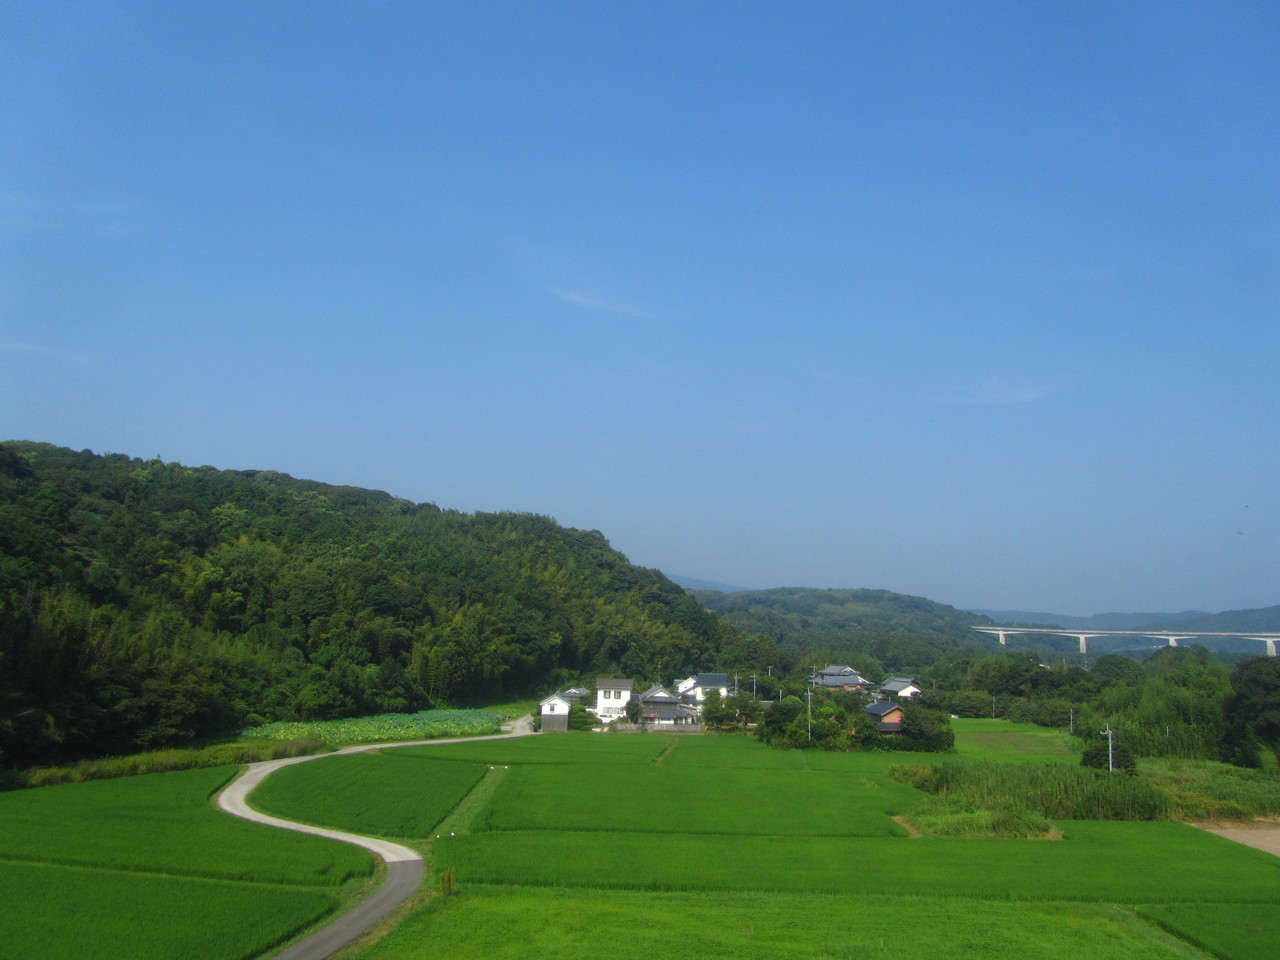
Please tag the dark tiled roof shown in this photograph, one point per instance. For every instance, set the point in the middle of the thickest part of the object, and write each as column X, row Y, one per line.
column 841, row 681
column 614, row 683
column 657, row 694
column 834, row 669
column 712, row 680
column 881, row 707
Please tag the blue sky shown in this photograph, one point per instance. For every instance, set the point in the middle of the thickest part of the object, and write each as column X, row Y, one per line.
column 979, row 302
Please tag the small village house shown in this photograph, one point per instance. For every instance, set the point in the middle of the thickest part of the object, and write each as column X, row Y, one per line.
column 612, row 694
column 554, row 709
column 888, row 715
column 695, row 688
column 839, row 676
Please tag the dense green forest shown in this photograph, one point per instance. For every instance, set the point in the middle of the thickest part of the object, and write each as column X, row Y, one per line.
column 145, row 603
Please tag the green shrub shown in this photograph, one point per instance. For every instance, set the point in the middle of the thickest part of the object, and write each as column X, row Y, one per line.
column 1052, row 790
column 1100, row 755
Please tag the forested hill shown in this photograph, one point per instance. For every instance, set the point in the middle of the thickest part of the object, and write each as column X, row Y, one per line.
column 144, row 603
column 899, row 632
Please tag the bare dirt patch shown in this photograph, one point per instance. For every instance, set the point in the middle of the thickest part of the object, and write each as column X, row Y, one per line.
column 1262, row 834
column 906, row 825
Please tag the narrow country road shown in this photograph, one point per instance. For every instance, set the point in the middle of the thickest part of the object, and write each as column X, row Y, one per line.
column 405, row 867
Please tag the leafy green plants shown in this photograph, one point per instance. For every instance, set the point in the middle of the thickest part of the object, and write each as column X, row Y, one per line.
column 384, row 727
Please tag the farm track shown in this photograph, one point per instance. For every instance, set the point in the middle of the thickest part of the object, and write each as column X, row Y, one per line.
column 405, row 867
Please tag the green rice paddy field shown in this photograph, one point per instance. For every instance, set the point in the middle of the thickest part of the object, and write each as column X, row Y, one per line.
column 145, row 867
column 650, row 844
column 718, row 846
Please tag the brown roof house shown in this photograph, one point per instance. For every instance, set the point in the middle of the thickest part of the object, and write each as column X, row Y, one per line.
column 888, row 715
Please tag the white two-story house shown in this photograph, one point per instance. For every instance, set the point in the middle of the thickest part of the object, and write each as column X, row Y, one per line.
column 612, row 696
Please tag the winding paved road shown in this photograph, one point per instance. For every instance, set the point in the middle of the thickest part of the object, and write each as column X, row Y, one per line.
column 405, row 867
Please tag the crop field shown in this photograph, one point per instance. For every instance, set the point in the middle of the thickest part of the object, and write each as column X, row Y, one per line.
column 151, row 824
column 1226, row 929
column 487, row 923
column 1112, row 862
column 143, row 867
column 590, row 749
column 383, row 728
column 1013, row 742
column 653, row 843
column 54, row 912
column 720, row 846
column 385, row 794
column 683, row 799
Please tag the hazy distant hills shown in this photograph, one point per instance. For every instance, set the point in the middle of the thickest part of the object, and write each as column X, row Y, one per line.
column 693, row 583
column 1099, row 621
column 897, row 631
column 1262, row 619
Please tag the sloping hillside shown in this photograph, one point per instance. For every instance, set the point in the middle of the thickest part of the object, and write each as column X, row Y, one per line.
column 144, row 603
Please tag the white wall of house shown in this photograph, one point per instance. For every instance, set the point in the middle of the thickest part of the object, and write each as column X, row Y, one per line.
column 611, row 703
column 553, row 706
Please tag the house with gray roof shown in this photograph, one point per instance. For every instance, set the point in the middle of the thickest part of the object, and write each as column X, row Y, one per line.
column 839, row 676
column 663, row 708
column 903, row 687
column 695, row 688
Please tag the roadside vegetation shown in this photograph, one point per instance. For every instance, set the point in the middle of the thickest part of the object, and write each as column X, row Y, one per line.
column 159, row 761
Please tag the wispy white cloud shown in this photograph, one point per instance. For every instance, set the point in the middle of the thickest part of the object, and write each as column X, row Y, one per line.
column 618, row 308
column 39, row 351
column 1004, row 391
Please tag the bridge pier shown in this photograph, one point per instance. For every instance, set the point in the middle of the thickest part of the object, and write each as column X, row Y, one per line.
column 1271, row 645
column 1084, row 643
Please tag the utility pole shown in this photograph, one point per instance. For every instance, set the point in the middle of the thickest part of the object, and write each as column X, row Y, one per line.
column 1111, row 754
column 809, row 695
column 753, row 687
column 735, row 684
